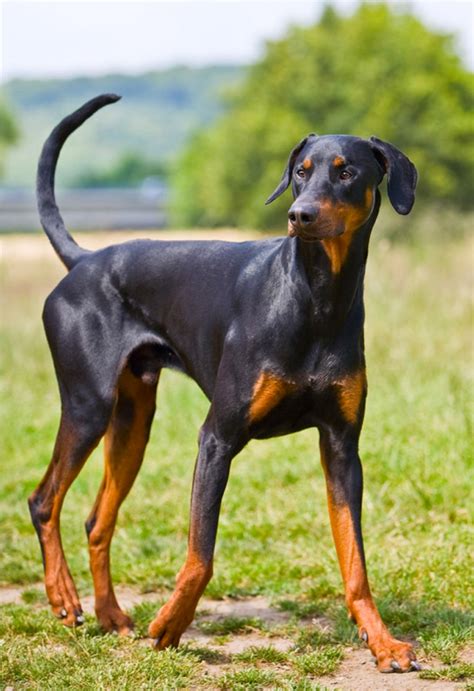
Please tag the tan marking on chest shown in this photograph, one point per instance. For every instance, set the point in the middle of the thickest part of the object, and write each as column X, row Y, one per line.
column 268, row 391
column 337, row 249
column 350, row 391
column 352, row 217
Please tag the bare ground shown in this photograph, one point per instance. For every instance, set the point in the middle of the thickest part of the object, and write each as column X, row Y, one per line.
column 356, row 672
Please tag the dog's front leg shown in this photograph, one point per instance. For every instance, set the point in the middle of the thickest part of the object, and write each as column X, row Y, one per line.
column 343, row 472
column 210, row 479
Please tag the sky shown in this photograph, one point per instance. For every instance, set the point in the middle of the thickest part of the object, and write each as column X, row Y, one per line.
column 69, row 38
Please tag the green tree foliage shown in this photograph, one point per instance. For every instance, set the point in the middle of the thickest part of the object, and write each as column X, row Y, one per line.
column 156, row 115
column 131, row 169
column 379, row 72
column 8, row 131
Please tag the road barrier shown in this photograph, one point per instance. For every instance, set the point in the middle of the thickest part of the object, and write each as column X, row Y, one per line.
column 87, row 209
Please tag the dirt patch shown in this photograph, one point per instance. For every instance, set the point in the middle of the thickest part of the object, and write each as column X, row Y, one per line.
column 215, row 612
column 357, row 671
column 128, row 598
column 11, row 595
column 248, row 608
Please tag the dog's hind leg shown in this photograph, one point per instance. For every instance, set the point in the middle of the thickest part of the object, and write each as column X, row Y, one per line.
column 125, row 442
column 77, row 436
column 86, row 360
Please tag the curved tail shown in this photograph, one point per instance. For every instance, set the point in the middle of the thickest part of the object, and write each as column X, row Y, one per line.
column 66, row 247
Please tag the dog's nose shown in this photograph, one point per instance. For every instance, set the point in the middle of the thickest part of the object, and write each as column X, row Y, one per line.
column 302, row 215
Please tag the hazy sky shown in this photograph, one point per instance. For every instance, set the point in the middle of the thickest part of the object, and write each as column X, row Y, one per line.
column 66, row 38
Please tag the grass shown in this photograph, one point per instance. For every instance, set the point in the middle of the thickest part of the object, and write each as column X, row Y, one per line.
column 274, row 536
column 251, row 678
column 319, row 662
column 229, row 625
column 36, row 654
column 265, row 653
column 453, row 673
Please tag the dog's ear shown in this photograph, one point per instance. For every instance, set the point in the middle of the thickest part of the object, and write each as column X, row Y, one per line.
column 401, row 172
column 287, row 173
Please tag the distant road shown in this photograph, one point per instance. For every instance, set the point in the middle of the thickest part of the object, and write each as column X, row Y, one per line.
column 87, row 209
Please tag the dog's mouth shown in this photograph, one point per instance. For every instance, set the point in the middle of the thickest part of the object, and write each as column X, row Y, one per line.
column 316, row 232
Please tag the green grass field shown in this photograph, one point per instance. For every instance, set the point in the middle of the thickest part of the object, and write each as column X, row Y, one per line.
column 274, row 538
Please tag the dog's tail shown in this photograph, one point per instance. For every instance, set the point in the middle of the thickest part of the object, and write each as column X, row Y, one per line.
column 66, row 247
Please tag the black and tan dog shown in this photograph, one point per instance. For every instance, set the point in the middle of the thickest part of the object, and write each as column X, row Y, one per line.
column 272, row 332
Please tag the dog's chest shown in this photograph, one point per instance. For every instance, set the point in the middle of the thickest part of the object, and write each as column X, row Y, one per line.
column 331, row 392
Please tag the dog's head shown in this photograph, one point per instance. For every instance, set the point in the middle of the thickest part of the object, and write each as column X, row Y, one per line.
column 334, row 179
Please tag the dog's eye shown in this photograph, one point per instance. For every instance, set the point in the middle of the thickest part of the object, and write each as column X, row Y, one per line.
column 345, row 175
column 301, row 173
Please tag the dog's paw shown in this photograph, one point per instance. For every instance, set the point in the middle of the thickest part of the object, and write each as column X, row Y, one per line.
column 170, row 623
column 113, row 620
column 391, row 655
column 70, row 616
column 63, row 598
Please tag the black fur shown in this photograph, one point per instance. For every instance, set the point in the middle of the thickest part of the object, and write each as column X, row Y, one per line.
column 227, row 314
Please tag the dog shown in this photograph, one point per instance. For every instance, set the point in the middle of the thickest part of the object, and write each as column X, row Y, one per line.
column 272, row 331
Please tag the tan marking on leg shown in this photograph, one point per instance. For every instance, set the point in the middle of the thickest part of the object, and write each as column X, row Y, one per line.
column 358, row 596
column 350, row 392
column 176, row 615
column 268, row 391
column 191, row 582
column 351, row 218
column 356, row 586
column 348, row 553
column 60, row 588
column 124, row 446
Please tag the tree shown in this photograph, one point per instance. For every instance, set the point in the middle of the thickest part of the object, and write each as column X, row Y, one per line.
column 8, row 132
column 379, row 72
column 130, row 170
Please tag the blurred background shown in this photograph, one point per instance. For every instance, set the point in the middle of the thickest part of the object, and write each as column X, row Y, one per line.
column 215, row 94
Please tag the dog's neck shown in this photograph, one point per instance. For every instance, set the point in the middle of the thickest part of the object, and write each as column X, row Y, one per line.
column 334, row 270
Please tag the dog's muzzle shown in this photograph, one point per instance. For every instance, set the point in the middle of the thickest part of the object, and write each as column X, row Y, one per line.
column 306, row 221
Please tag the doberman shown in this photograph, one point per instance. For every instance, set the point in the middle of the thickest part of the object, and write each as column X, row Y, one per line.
column 272, row 331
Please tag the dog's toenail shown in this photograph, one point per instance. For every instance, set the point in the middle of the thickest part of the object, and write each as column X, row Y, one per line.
column 80, row 619
column 415, row 666
column 63, row 613
column 394, row 665
column 364, row 636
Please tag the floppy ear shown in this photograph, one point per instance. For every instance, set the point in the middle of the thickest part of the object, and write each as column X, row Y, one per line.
column 287, row 173
column 402, row 175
